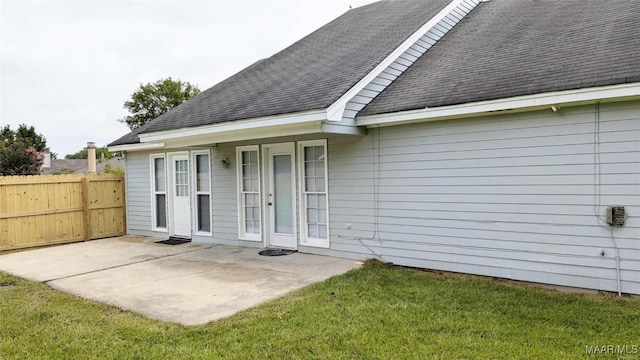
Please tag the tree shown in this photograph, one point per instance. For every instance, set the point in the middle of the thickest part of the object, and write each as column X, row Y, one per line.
column 83, row 154
column 108, row 169
column 20, row 151
column 19, row 159
column 27, row 135
column 152, row 100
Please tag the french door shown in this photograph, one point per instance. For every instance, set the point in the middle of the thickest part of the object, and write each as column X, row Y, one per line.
column 280, row 195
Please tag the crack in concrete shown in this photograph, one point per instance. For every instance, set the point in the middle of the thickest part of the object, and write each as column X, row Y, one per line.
column 123, row 265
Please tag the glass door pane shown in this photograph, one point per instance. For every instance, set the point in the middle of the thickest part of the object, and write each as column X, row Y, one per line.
column 250, row 192
column 282, row 194
column 314, row 192
column 202, row 173
column 181, row 178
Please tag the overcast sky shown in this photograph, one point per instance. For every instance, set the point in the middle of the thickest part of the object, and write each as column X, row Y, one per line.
column 66, row 67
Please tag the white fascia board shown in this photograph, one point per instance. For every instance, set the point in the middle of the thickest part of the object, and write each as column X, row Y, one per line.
column 136, row 147
column 518, row 103
column 239, row 125
column 246, row 134
column 335, row 110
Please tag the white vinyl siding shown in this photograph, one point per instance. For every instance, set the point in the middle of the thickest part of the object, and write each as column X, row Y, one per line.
column 224, row 197
column 249, row 216
column 202, row 186
column 512, row 196
column 138, row 190
column 314, row 193
column 158, row 192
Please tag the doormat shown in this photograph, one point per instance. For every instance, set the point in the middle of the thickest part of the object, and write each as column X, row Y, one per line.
column 173, row 241
column 276, row 252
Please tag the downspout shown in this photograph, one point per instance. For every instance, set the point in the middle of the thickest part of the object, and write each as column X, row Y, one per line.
column 615, row 246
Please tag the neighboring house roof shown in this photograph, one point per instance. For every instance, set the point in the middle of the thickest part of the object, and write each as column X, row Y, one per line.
column 501, row 49
column 80, row 166
column 310, row 74
column 513, row 48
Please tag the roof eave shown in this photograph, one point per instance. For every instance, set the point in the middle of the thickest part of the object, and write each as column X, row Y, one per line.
column 239, row 125
column 301, row 123
column 136, row 146
column 511, row 104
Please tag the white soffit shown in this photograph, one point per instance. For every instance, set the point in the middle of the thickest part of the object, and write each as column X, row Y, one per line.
column 231, row 126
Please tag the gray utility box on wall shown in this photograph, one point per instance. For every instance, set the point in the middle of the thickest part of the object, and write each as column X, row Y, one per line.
column 616, row 215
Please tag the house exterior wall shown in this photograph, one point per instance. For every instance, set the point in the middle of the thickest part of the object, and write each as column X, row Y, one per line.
column 139, row 197
column 224, row 197
column 225, row 205
column 513, row 196
column 138, row 190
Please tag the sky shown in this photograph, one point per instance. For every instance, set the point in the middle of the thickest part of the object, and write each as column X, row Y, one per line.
column 67, row 67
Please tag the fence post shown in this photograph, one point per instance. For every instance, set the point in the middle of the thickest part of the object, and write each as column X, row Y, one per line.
column 124, row 203
column 86, row 211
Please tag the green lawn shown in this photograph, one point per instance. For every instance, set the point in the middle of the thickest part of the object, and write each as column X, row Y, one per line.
column 376, row 312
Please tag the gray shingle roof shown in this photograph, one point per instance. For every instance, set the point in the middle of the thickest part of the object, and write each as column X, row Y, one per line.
column 308, row 75
column 80, row 166
column 508, row 48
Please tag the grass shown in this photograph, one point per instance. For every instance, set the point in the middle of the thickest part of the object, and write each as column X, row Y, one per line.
column 376, row 312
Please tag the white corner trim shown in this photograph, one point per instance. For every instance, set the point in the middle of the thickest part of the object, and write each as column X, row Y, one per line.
column 528, row 102
column 255, row 123
column 136, row 147
column 335, row 110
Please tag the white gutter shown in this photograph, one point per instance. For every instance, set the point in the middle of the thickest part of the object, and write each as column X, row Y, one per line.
column 136, row 147
column 507, row 104
column 255, row 123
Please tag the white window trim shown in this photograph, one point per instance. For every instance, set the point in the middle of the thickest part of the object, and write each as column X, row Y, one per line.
column 152, row 168
column 194, row 200
column 304, row 236
column 241, row 220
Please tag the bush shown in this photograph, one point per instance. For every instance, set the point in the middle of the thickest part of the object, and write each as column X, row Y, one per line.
column 18, row 159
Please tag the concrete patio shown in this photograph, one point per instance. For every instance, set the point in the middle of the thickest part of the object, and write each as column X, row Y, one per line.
column 189, row 284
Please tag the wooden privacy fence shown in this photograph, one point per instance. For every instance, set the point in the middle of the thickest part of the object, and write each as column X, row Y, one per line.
column 55, row 209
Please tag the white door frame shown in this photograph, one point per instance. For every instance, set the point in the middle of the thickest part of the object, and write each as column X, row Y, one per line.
column 184, row 215
column 273, row 239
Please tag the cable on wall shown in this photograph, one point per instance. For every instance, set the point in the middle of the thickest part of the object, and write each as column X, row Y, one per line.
column 597, row 192
column 375, row 169
column 597, row 167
